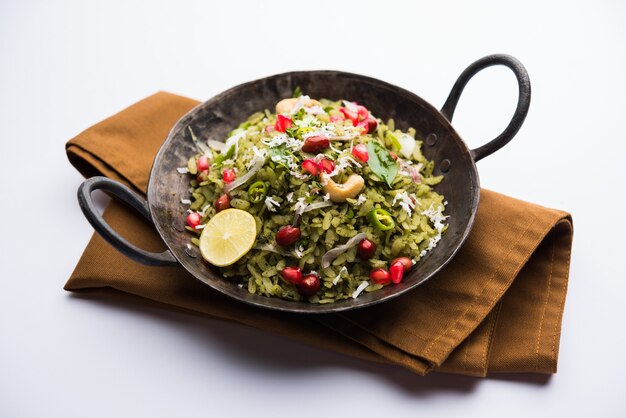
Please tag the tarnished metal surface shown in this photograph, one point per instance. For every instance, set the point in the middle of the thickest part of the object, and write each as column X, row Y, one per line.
column 219, row 115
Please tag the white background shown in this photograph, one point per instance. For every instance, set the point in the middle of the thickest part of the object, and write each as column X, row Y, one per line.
column 66, row 66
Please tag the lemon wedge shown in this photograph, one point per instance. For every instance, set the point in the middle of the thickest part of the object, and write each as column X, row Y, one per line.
column 227, row 237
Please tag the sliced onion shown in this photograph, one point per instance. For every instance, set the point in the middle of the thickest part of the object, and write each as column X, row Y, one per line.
column 334, row 253
column 243, row 179
column 318, row 158
column 312, row 206
column 318, row 205
column 350, row 106
column 412, row 171
column 344, row 269
column 415, row 175
column 216, row 145
column 338, row 151
column 359, row 289
column 274, row 249
column 234, row 140
column 296, row 217
column 407, row 145
column 202, row 147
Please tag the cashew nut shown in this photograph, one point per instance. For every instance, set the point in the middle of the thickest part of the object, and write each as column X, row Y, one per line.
column 340, row 192
column 286, row 105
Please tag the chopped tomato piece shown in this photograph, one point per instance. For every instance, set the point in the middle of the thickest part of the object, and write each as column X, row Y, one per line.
column 283, row 123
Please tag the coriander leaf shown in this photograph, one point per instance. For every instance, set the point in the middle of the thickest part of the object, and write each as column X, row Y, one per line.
column 296, row 132
column 299, row 114
column 292, row 131
column 280, row 155
column 297, row 92
column 381, row 162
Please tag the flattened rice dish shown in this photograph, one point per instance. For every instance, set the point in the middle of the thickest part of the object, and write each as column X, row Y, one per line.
column 317, row 201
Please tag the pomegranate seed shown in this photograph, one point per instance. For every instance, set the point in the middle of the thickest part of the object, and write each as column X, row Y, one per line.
column 287, row 235
column 397, row 271
column 372, row 124
column 315, row 144
column 393, row 155
column 366, row 249
column 367, row 125
column 360, row 152
column 202, row 176
column 310, row 166
column 362, row 112
column 309, row 285
column 228, row 175
column 380, row 276
column 334, row 119
column 327, row 166
column 353, row 116
column 282, row 123
column 193, row 219
column 292, row 274
column 222, row 202
column 202, row 163
column 406, row 262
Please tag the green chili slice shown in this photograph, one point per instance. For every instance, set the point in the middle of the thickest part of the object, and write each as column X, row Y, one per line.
column 381, row 219
column 257, row 191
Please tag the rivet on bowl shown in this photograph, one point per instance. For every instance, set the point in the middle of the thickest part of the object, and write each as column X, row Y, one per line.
column 178, row 227
column 190, row 253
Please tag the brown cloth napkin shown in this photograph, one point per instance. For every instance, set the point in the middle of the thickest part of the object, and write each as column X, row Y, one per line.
column 497, row 307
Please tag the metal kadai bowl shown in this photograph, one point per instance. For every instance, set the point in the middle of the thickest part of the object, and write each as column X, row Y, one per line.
column 216, row 117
